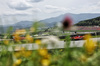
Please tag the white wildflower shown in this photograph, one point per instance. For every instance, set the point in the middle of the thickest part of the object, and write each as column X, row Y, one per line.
column 52, row 40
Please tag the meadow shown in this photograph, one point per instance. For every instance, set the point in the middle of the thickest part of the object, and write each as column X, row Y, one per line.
column 88, row 55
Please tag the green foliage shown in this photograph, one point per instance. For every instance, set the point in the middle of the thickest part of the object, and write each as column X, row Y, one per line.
column 89, row 22
column 57, row 57
column 37, row 25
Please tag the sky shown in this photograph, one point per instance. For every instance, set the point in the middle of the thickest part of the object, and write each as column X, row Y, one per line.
column 13, row 11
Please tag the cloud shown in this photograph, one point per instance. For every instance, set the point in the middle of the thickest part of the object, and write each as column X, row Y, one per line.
column 95, row 6
column 36, row 10
column 34, row 0
column 51, row 9
column 19, row 5
column 98, row 3
column 16, row 13
column 91, row 8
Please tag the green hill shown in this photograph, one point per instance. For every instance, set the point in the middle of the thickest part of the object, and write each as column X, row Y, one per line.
column 89, row 22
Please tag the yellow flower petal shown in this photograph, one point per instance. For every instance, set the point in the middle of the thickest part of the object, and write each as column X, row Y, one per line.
column 29, row 38
column 6, row 42
column 43, row 52
column 83, row 58
column 17, row 37
column 17, row 54
column 88, row 36
column 38, row 41
column 90, row 46
column 18, row 62
column 45, row 62
column 27, row 53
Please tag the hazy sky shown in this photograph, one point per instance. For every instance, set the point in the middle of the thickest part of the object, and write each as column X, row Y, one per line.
column 16, row 10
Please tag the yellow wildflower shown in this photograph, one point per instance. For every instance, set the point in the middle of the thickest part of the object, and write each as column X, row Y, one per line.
column 87, row 36
column 43, row 52
column 61, row 50
column 89, row 45
column 6, row 42
column 17, row 37
column 83, row 58
column 14, row 64
column 18, row 62
column 17, row 54
column 22, row 50
column 27, row 53
column 29, row 38
column 45, row 62
column 47, row 56
column 38, row 41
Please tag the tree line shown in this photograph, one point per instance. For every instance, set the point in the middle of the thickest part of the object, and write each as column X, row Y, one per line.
column 89, row 22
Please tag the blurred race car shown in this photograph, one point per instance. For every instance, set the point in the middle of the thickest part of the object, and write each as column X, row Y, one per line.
column 77, row 37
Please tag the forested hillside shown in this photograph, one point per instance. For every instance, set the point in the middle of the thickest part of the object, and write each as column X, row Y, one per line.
column 90, row 22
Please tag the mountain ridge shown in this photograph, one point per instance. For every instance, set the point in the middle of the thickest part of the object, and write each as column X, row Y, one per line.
column 54, row 20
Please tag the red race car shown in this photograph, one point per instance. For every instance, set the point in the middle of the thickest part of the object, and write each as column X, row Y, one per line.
column 77, row 37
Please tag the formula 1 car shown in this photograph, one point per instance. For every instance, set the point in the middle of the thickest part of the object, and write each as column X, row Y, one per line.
column 77, row 37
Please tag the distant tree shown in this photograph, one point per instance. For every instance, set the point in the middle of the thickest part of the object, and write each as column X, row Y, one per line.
column 89, row 22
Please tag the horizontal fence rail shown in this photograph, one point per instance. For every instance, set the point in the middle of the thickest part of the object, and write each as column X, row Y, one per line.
column 60, row 45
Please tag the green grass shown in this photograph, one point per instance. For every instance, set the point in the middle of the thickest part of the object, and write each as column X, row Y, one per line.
column 96, row 36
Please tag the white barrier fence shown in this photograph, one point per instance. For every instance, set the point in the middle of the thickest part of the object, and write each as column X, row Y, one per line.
column 60, row 45
column 35, row 46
